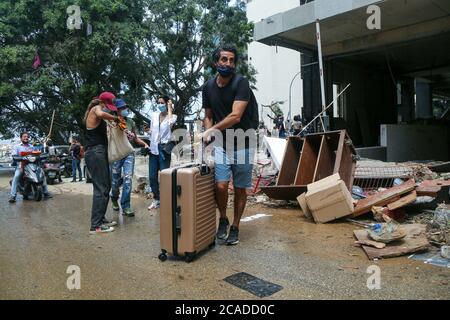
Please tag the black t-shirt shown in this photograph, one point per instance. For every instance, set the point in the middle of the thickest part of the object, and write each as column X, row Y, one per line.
column 221, row 100
column 75, row 150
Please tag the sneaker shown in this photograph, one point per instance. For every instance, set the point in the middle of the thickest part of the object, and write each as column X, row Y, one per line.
column 154, row 205
column 128, row 212
column 115, row 205
column 81, row 179
column 101, row 229
column 73, row 181
column 222, row 230
column 233, row 237
column 12, row 199
column 47, row 196
column 109, row 223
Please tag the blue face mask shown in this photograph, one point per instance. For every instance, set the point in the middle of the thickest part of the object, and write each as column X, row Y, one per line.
column 125, row 113
column 162, row 107
column 225, row 71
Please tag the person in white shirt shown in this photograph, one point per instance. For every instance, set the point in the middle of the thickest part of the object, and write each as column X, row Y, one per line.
column 160, row 144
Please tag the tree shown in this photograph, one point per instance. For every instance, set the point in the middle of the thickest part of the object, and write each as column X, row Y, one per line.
column 74, row 67
column 138, row 49
column 182, row 36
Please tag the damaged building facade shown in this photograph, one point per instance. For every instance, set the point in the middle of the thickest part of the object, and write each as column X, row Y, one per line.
column 395, row 109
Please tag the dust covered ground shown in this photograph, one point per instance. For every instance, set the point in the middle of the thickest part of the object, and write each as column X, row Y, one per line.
column 40, row 240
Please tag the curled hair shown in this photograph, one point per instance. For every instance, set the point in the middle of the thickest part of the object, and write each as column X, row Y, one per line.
column 228, row 48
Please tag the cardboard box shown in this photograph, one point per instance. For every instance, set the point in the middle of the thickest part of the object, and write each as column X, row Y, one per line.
column 324, row 182
column 302, row 201
column 329, row 200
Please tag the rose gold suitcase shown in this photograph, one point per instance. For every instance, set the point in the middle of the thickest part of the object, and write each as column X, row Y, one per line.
column 187, row 211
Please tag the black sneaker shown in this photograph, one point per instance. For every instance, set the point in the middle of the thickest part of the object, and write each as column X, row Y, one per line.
column 12, row 199
column 233, row 237
column 222, row 230
column 47, row 196
column 101, row 229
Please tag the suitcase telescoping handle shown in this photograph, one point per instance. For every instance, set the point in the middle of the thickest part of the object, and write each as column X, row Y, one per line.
column 204, row 169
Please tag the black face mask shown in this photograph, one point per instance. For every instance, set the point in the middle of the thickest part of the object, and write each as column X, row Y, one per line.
column 225, row 71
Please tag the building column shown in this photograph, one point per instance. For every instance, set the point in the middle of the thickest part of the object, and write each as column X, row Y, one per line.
column 424, row 109
column 406, row 107
column 311, row 87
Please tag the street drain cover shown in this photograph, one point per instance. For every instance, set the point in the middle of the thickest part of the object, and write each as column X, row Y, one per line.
column 252, row 284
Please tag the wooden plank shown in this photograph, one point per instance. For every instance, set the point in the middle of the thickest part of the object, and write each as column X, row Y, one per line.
column 339, row 151
column 308, row 160
column 435, row 183
column 371, row 243
column 284, row 192
column 431, row 187
column 291, row 160
column 387, row 201
column 325, row 161
column 305, row 209
column 383, row 197
column 428, row 191
column 414, row 241
column 348, row 163
column 409, row 198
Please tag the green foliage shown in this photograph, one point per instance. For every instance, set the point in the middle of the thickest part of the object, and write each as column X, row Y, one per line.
column 138, row 49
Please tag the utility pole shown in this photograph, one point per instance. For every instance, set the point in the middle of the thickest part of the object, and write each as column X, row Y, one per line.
column 322, row 81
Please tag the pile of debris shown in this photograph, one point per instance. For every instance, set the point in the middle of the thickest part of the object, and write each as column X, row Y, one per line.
column 407, row 202
column 437, row 224
column 329, row 199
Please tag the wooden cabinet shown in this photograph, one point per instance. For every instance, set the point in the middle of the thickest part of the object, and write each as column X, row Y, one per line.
column 312, row 158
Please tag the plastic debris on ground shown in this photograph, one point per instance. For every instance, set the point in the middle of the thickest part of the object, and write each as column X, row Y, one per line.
column 432, row 257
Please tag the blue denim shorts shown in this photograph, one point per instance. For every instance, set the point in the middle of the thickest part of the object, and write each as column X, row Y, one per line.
column 239, row 163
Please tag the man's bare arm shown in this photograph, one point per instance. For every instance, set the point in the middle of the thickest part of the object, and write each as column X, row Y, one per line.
column 208, row 121
column 233, row 118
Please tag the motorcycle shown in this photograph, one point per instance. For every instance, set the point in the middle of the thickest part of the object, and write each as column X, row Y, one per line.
column 54, row 168
column 66, row 161
column 32, row 176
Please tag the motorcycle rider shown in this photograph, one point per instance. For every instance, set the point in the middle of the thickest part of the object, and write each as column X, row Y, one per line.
column 24, row 146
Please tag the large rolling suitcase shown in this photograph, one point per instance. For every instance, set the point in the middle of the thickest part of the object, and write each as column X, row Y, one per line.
column 187, row 211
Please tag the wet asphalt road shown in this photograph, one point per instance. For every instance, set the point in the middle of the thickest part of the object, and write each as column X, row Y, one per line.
column 40, row 240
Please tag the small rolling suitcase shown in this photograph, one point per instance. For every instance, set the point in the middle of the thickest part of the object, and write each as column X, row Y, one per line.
column 187, row 211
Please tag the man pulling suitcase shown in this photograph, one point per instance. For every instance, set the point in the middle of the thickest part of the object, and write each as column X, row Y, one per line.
column 231, row 109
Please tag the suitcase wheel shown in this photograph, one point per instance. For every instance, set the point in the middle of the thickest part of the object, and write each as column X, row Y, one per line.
column 162, row 256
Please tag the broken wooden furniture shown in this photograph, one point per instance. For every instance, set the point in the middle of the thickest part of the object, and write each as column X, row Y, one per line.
column 312, row 158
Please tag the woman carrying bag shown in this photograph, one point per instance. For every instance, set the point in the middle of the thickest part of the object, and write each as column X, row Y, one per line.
column 96, row 157
column 161, row 145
